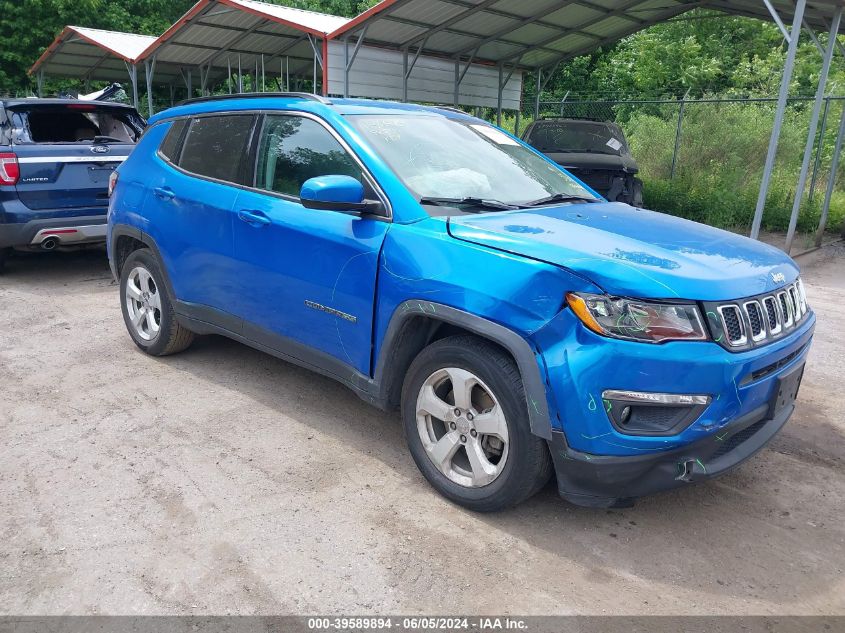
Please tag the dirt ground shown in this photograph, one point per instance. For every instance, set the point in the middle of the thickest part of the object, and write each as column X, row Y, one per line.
column 225, row 481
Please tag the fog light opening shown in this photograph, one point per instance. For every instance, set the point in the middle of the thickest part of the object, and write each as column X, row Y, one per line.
column 644, row 413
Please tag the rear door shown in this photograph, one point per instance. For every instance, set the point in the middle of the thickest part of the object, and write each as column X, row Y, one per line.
column 189, row 204
column 67, row 152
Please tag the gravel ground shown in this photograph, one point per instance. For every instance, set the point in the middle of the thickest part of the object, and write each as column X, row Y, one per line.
column 225, row 481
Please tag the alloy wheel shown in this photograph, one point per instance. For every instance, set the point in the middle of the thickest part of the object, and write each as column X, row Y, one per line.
column 462, row 427
column 143, row 303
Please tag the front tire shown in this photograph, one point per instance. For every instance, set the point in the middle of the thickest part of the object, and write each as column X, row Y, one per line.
column 466, row 424
column 147, row 309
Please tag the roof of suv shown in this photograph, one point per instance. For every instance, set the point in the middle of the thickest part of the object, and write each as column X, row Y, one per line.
column 10, row 103
column 298, row 101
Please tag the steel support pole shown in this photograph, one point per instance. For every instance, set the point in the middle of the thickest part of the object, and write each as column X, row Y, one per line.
column 240, row 76
column 499, row 96
column 40, row 80
column 819, row 148
column 457, row 82
column 831, row 181
column 537, row 95
column 149, row 71
column 814, row 126
column 133, row 78
column 405, row 75
column 789, row 66
column 678, row 135
column 229, row 75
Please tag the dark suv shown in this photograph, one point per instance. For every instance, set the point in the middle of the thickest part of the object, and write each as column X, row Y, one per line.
column 56, row 157
column 596, row 152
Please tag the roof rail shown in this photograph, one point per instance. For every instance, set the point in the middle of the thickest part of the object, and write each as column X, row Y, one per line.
column 257, row 95
column 450, row 108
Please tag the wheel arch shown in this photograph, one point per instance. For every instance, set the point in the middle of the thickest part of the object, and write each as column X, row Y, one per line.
column 416, row 324
column 125, row 239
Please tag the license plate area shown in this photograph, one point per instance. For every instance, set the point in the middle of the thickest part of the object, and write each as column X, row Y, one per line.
column 787, row 390
column 100, row 174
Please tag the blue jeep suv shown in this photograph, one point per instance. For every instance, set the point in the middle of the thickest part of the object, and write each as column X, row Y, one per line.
column 56, row 158
column 435, row 264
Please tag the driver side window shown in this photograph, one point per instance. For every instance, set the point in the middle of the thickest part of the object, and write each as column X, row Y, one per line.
column 294, row 149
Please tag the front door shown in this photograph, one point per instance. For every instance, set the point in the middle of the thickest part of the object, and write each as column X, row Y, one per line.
column 308, row 276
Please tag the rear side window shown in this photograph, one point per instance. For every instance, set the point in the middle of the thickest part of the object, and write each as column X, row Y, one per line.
column 173, row 141
column 75, row 123
column 216, row 145
column 294, row 149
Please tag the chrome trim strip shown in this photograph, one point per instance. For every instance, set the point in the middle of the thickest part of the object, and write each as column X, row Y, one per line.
column 760, row 316
column 93, row 158
column 89, row 233
column 802, row 295
column 744, row 338
column 655, row 398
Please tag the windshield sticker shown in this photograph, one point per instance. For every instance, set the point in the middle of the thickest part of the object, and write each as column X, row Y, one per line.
column 614, row 145
column 494, row 135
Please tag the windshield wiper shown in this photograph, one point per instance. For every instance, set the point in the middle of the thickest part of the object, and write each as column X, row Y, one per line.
column 558, row 197
column 468, row 201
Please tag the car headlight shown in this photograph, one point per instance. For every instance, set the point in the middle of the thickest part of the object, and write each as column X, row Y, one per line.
column 637, row 320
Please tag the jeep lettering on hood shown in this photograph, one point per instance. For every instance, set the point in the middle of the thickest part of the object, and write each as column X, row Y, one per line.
column 634, row 252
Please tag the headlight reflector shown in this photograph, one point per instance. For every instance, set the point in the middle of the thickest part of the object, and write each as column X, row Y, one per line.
column 637, row 320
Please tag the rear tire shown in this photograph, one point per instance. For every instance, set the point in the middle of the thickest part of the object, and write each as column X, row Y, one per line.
column 4, row 254
column 466, row 424
column 147, row 308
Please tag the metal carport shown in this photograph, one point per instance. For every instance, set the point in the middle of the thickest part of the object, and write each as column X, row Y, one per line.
column 539, row 35
column 92, row 55
column 217, row 38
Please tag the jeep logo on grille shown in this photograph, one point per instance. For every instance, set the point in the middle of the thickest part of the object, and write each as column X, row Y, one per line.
column 778, row 278
column 100, row 149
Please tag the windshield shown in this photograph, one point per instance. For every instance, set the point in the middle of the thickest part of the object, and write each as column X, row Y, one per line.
column 577, row 137
column 439, row 157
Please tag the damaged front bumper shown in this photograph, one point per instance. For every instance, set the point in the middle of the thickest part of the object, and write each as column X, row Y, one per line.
column 616, row 481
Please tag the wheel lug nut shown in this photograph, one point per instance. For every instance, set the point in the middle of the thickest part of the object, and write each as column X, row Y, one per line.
column 470, row 416
column 474, row 433
column 453, row 426
column 457, row 412
column 463, row 438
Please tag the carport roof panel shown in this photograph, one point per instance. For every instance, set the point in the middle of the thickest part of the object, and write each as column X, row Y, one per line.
column 79, row 52
column 537, row 33
column 214, row 27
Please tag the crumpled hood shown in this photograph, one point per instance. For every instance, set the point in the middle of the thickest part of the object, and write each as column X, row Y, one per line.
column 633, row 252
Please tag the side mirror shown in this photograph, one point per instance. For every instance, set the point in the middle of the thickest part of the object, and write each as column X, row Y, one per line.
column 336, row 193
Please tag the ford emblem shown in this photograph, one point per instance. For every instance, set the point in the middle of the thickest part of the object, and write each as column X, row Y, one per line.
column 100, row 149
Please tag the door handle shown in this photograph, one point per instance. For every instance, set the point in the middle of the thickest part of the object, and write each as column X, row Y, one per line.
column 165, row 193
column 255, row 218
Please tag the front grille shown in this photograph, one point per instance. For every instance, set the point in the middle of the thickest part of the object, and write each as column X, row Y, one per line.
column 755, row 320
column 786, row 309
column 738, row 438
column 732, row 320
column 759, row 320
column 772, row 314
